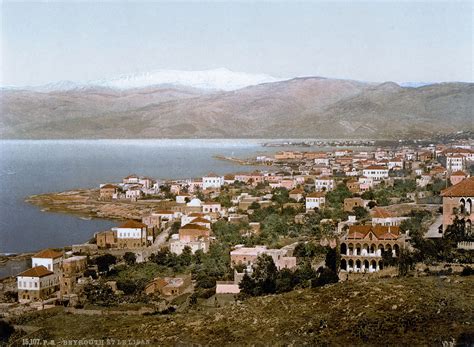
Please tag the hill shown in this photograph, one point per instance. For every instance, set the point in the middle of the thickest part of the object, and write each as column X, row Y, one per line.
column 398, row 311
column 309, row 107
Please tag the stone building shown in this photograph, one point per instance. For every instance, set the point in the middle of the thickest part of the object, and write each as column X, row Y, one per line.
column 107, row 192
column 458, row 201
column 71, row 270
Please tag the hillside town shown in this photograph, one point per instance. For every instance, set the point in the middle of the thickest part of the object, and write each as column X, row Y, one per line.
column 306, row 219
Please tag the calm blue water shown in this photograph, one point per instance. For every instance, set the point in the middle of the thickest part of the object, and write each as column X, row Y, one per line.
column 35, row 167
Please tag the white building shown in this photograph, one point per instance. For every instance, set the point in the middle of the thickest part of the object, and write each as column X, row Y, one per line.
column 212, row 181
column 376, row 172
column 324, row 184
column 177, row 246
column 181, row 198
column 315, row 200
column 211, row 206
column 455, row 163
column 48, row 258
column 131, row 234
column 36, row 284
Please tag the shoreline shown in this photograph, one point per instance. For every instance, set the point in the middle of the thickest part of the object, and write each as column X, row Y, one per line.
column 85, row 204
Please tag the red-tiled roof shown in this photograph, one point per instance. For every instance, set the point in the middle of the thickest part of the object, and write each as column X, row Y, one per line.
column 381, row 232
column 194, row 226
column 108, row 186
column 376, row 167
column 316, row 195
column 37, row 271
column 458, row 173
column 200, row 220
column 463, row 188
column 132, row 224
column 48, row 254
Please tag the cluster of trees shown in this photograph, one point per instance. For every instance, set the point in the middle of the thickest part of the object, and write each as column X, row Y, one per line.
column 435, row 250
column 267, row 279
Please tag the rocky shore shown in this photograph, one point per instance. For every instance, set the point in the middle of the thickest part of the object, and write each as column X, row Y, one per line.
column 85, row 203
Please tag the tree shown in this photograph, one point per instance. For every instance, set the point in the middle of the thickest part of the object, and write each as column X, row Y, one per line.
column 265, row 274
column 6, row 330
column 99, row 294
column 456, row 232
column 326, row 276
column 360, row 212
column 406, row 262
column 304, row 274
column 280, row 196
column 286, row 281
column 104, row 261
column 247, row 285
column 333, row 259
column 127, row 286
column 130, row 258
column 186, row 257
column 90, row 273
column 254, row 206
column 336, row 197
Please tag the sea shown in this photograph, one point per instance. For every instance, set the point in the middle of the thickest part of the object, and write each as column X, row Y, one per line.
column 30, row 167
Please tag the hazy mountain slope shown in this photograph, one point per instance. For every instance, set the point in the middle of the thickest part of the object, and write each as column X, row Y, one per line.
column 26, row 114
column 390, row 111
column 302, row 107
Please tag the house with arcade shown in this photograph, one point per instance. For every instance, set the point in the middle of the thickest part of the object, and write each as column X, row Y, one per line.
column 363, row 246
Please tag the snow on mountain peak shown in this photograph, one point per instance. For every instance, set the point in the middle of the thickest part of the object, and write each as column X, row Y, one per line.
column 216, row 79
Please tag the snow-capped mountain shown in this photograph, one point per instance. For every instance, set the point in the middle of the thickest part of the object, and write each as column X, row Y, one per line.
column 217, row 79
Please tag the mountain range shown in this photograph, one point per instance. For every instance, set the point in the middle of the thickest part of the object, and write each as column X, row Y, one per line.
column 224, row 104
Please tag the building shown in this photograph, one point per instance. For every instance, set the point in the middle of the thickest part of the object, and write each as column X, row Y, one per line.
column 455, row 162
column 248, row 256
column 324, row 184
column 211, row 206
column 36, row 284
column 458, row 201
column 363, row 246
column 168, row 286
column 212, row 181
column 353, row 185
column 107, row 192
column 457, row 177
column 376, row 172
column 71, row 270
column 106, row 239
column 296, row 194
column 194, row 236
column 183, row 198
column 381, row 216
column 315, row 200
column 48, row 258
column 351, row 203
column 131, row 179
column 131, row 234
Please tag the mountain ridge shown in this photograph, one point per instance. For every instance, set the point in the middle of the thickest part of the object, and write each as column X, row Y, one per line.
column 307, row 107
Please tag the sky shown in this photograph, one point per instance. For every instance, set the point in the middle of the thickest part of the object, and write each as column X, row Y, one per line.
column 376, row 41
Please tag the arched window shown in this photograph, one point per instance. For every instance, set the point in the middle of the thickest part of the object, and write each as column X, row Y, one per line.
column 344, row 264
column 343, row 248
column 469, row 206
column 462, row 205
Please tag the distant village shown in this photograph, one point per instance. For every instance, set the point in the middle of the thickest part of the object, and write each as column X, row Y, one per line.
column 311, row 218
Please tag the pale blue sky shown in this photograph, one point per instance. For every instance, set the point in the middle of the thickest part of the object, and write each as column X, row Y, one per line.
column 371, row 41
